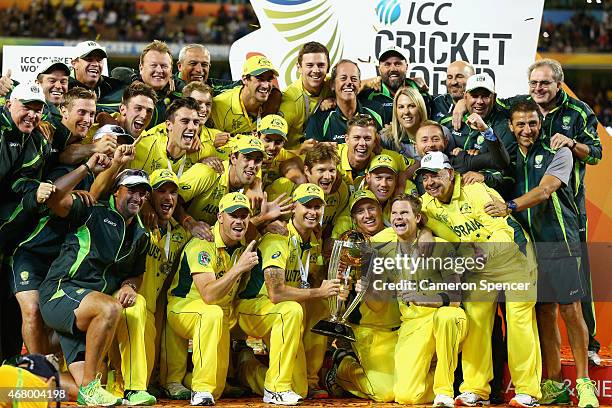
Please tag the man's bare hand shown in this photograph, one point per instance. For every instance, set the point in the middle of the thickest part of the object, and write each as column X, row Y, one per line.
column 6, row 83
column 221, row 139
column 280, row 206
column 44, row 192
column 106, row 144
column 330, row 288
column 98, row 162
column 458, row 112
column 472, row 177
column 88, row 199
column 475, row 122
column 47, row 130
column 199, row 229
column 248, row 259
column 126, row 295
column 327, row 104
column 558, row 141
column 214, row 162
column 124, row 154
column 277, row 227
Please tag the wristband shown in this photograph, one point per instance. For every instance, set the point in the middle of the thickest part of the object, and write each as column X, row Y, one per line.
column 87, row 167
column 511, row 205
column 445, row 299
column 574, row 145
column 131, row 285
column 489, row 135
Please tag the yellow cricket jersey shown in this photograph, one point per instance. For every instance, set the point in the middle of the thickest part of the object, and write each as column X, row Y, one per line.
column 202, row 188
column 201, row 256
column 354, row 178
column 156, row 269
column 229, row 115
column 293, row 106
column 151, row 153
column 17, row 378
column 283, row 252
column 336, row 201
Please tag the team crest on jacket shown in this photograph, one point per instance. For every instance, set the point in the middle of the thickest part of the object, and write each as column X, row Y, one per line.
column 566, row 122
column 538, row 161
column 203, row 258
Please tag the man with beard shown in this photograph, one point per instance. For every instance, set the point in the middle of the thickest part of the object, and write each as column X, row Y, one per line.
column 331, row 126
column 278, row 304
column 303, row 97
column 392, row 67
column 87, row 64
column 202, row 187
column 133, row 117
column 201, row 297
column 104, row 255
column 430, row 137
column 457, row 74
column 239, row 109
column 168, row 145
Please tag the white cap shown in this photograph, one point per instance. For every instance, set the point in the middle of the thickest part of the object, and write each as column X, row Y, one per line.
column 480, row 81
column 28, row 92
column 114, row 130
column 434, row 161
column 50, row 65
column 387, row 52
column 85, row 48
column 132, row 178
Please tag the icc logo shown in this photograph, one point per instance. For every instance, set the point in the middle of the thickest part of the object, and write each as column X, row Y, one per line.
column 388, row 11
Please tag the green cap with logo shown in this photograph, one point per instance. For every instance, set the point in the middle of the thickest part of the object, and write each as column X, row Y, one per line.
column 307, row 192
column 161, row 176
column 257, row 65
column 273, row 125
column 248, row 144
column 383, row 160
column 361, row 195
column 234, row 201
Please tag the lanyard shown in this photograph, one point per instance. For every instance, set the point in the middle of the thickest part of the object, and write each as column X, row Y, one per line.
column 167, row 243
column 179, row 173
column 307, row 106
column 303, row 268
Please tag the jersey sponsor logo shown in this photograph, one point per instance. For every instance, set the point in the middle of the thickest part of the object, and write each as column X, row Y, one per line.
column 13, row 144
column 538, row 161
column 203, row 258
column 186, row 187
column 276, row 254
column 106, row 220
column 467, row 228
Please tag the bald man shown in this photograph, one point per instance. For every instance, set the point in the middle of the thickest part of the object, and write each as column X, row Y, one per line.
column 457, row 75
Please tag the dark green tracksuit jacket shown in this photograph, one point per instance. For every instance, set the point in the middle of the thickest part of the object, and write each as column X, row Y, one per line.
column 100, row 254
column 385, row 99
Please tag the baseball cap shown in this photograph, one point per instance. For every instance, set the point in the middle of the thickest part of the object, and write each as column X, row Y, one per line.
column 28, row 92
column 163, row 176
column 234, row 201
column 480, row 81
column 392, row 50
column 50, row 65
column 273, row 125
column 83, row 49
column 383, row 160
column 114, row 130
column 256, row 65
column 307, row 192
column 248, row 144
column 361, row 195
column 434, row 161
column 132, row 178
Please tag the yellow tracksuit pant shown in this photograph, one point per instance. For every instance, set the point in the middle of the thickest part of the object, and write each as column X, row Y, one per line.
column 131, row 338
column 426, row 332
column 314, row 344
column 280, row 326
column 173, row 356
column 208, row 326
column 372, row 376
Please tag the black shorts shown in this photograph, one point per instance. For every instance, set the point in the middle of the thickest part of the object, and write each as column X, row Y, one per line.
column 28, row 269
column 58, row 314
column 560, row 280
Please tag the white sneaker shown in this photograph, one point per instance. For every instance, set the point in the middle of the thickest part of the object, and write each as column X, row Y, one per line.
column 281, row 398
column 524, row 401
column 469, row 399
column 442, row 400
column 594, row 358
column 202, row 398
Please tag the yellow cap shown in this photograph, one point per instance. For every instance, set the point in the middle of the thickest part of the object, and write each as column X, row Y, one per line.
column 273, row 125
column 161, row 176
column 383, row 160
column 361, row 195
column 256, row 65
column 234, row 201
column 308, row 191
column 247, row 144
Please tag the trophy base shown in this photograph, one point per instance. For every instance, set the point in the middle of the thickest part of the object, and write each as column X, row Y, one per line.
column 334, row 329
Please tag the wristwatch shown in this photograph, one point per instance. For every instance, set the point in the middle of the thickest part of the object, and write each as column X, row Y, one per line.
column 511, row 206
column 131, row 285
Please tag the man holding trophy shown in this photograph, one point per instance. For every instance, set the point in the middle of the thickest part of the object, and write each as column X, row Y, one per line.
column 277, row 304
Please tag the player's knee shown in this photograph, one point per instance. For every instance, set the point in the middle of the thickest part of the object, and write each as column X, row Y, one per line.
column 571, row 312
column 30, row 312
column 213, row 313
column 137, row 312
column 448, row 316
column 292, row 310
column 110, row 310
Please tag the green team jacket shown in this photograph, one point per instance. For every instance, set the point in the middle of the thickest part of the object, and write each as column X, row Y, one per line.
column 100, row 254
column 385, row 99
column 554, row 220
column 572, row 118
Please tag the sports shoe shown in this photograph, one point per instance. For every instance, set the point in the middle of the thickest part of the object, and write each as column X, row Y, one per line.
column 93, row 395
column 202, row 398
column 554, row 393
column 317, row 393
column 176, row 391
column 524, row 400
column 332, row 386
column 469, row 399
column 594, row 358
column 586, row 393
column 281, row 398
column 139, row 398
column 442, row 400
